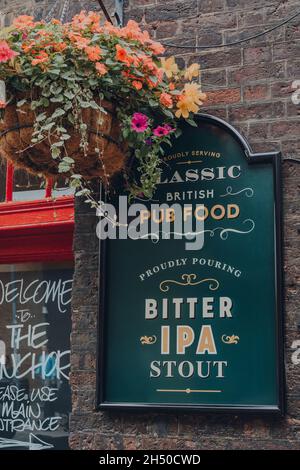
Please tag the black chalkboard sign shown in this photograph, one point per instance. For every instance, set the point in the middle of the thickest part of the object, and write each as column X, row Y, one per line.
column 35, row 324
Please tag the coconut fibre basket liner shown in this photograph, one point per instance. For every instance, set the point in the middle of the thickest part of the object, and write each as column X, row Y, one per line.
column 15, row 142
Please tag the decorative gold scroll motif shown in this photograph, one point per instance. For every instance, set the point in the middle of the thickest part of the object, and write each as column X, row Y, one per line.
column 148, row 339
column 188, row 280
column 233, row 339
column 187, row 390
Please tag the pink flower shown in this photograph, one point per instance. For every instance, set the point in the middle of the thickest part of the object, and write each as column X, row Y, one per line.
column 168, row 128
column 2, row 104
column 161, row 131
column 139, row 122
column 6, row 53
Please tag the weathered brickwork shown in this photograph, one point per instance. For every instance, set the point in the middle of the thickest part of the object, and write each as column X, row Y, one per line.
column 250, row 85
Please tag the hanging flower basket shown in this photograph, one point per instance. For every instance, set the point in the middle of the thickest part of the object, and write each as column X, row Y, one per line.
column 104, row 155
column 77, row 99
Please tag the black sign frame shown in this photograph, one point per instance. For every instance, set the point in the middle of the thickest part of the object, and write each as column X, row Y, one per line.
column 274, row 159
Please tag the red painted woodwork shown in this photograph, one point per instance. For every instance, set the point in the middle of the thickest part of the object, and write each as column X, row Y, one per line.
column 40, row 230
column 49, row 187
column 9, row 182
column 37, row 230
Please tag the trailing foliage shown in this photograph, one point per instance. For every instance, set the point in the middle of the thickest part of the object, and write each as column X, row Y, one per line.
column 64, row 69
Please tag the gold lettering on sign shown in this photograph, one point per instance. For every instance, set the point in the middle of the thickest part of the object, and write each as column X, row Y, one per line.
column 194, row 153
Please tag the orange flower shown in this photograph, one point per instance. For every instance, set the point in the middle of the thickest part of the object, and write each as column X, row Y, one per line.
column 169, row 66
column 186, row 105
column 41, row 58
column 166, row 100
column 193, row 91
column 172, row 86
column 27, row 47
column 149, row 64
column 156, row 47
column 96, row 28
column 23, row 22
column 60, row 46
column 73, row 36
column 81, row 43
column 137, row 84
column 80, row 21
column 2, row 104
column 151, row 83
column 133, row 31
column 111, row 29
column 93, row 52
column 122, row 55
column 101, row 68
column 43, row 33
column 94, row 17
column 54, row 21
column 192, row 71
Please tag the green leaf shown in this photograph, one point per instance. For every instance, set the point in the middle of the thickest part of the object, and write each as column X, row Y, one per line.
column 94, row 105
column 55, row 89
column 48, row 126
column 55, row 152
column 68, row 76
column 93, row 81
column 69, row 94
column 59, row 59
column 41, row 117
column 58, row 112
column 58, row 144
column 168, row 113
column 45, row 102
column 71, row 118
column 153, row 103
column 192, row 122
column 83, row 192
column 63, row 169
column 21, row 102
column 57, row 99
column 55, row 71
column 46, row 92
column 68, row 160
column 85, row 104
column 178, row 132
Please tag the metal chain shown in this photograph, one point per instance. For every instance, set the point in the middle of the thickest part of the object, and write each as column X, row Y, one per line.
column 65, row 10
column 51, row 12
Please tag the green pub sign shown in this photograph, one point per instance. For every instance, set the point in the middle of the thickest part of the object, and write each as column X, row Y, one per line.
column 199, row 327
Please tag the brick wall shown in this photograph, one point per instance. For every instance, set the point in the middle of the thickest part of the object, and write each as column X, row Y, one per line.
column 250, row 86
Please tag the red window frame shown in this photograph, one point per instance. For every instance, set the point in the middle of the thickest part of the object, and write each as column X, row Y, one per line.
column 38, row 230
